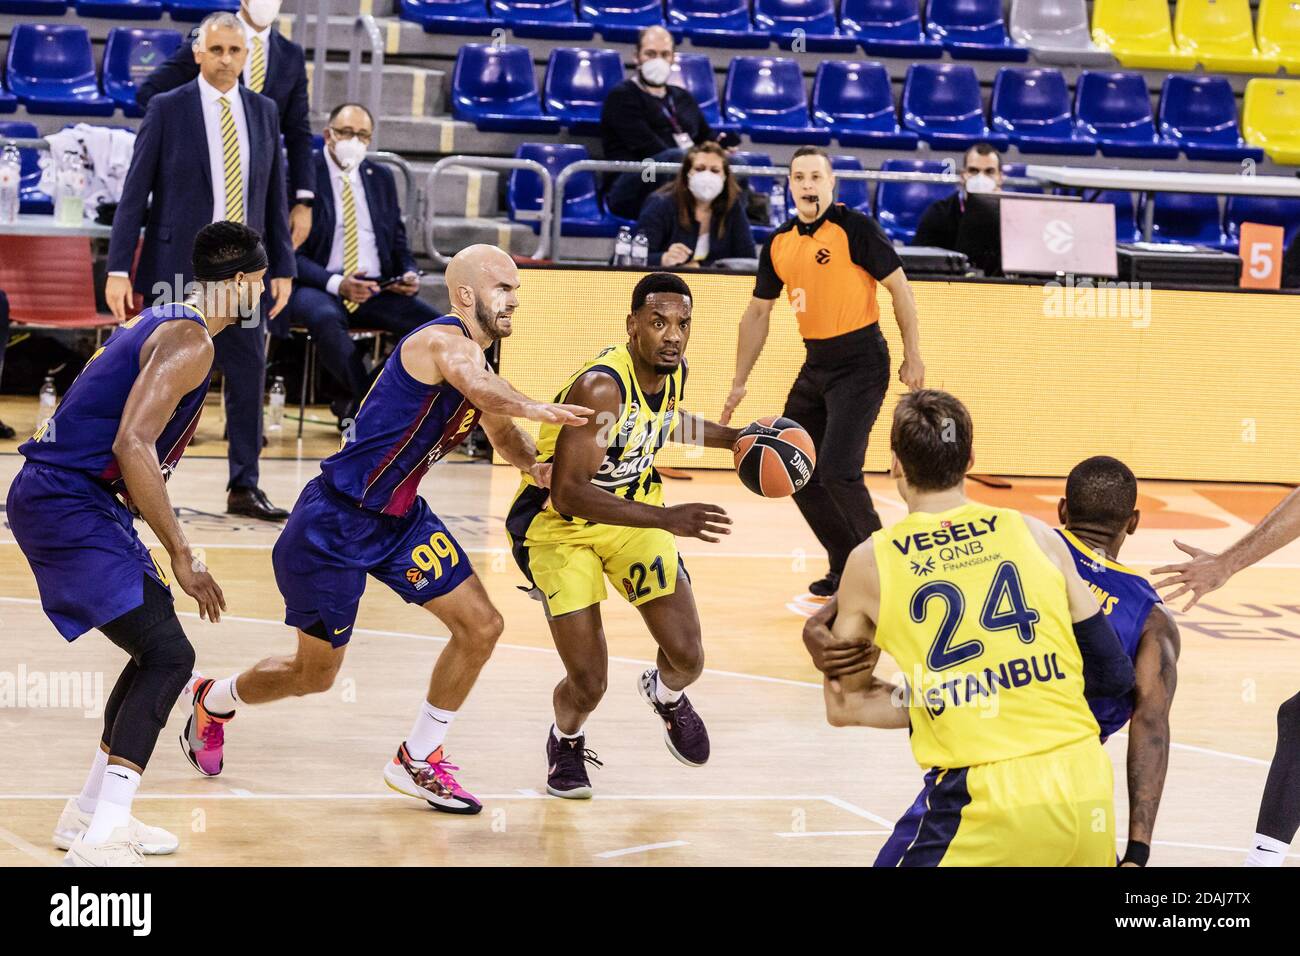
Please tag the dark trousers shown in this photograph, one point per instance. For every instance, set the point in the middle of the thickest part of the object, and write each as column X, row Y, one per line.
column 241, row 356
column 628, row 190
column 4, row 329
column 836, row 398
column 328, row 321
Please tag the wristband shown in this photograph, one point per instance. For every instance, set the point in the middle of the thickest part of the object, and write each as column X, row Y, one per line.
column 1136, row 852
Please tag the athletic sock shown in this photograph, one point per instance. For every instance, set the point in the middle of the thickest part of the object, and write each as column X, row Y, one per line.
column 1265, row 851
column 89, row 795
column 560, row 735
column 665, row 694
column 221, row 699
column 430, row 730
column 114, row 807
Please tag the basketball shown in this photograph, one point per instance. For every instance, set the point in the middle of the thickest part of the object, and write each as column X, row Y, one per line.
column 774, row 457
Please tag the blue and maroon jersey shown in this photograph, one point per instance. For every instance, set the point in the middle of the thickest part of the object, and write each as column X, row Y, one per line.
column 1126, row 598
column 80, row 435
column 401, row 429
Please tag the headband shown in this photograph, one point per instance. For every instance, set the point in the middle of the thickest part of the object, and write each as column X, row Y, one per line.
column 253, row 261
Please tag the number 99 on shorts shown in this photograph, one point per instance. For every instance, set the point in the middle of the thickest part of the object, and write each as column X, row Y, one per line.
column 429, row 557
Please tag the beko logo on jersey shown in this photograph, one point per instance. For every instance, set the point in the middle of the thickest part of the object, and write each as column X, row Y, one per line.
column 966, row 531
column 624, row 469
column 74, row 908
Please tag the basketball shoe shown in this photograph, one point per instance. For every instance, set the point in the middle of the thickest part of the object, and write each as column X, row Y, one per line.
column 430, row 780
column 684, row 732
column 118, row 850
column 73, row 822
column 566, row 766
column 204, row 735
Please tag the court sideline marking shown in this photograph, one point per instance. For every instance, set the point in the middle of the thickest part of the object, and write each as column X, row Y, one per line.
column 761, row 678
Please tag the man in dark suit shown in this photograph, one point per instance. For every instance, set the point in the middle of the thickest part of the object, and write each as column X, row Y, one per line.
column 355, row 269
column 276, row 67
column 208, row 151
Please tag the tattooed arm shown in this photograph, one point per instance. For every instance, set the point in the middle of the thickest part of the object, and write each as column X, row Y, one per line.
column 1148, row 740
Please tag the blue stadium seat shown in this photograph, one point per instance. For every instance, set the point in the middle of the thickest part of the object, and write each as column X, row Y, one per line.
column 1115, row 109
column 577, row 82
column 1199, row 113
column 765, row 96
column 856, row 102
column 1013, row 170
column 458, row 17
column 494, row 88
column 761, row 185
column 35, row 8
column 1269, row 210
column 816, row 18
column 889, row 28
column 1032, row 107
column 723, row 23
column 619, row 21
column 942, row 103
column 972, row 30
column 192, row 11
column 121, row 9
column 852, row 192
column 51, row 69
column 694, row 72
column 899, row 205
column 1192, row 218
column 131, row 54
column 30, row 197
column 582, row 214
column 542, row 19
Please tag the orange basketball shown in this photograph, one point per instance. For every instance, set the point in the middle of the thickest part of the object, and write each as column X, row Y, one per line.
column 774, row 457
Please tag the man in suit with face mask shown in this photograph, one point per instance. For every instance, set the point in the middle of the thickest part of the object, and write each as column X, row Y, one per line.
column 940, row 225
column 645, row 117
column 355, row 269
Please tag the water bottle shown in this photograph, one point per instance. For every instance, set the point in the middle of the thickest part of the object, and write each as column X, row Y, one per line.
column 275, row 410
column 70, row 190
column 49, row 402
column 623, row 247
column 776, row 205
column 11, row 170
column 640, row 251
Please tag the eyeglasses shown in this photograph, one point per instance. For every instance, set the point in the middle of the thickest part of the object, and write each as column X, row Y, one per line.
column 348, row 132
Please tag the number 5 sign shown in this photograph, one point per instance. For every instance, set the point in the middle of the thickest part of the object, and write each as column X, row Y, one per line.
column 1261, row 256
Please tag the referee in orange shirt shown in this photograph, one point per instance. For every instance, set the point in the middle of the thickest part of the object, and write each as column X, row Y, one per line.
column 830, row 258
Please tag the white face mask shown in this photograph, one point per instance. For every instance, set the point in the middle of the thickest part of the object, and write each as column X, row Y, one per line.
column 981, row 183
column 656, row 72
column 349, row 152
column 706, row 186
column 263, row 12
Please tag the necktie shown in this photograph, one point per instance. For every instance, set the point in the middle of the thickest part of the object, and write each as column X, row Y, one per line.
column 351, row 255
column 230, row 164
column 257, row 69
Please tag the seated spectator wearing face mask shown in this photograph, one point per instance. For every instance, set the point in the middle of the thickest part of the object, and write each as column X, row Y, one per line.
column 698, row 218
column 647, row 118
column 981, row 172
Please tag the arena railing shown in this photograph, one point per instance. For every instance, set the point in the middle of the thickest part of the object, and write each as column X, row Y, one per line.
column 365, row 31
column 541, row 216
column 671, row 169
column 319, row 11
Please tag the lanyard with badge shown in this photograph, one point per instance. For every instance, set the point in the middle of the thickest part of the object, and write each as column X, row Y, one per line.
column 680, row 136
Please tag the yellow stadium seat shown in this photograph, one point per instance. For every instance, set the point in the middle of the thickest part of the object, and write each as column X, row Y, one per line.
column 1138, row 33
column 1277, row 27
column 1271, row 118
column 1220, row 34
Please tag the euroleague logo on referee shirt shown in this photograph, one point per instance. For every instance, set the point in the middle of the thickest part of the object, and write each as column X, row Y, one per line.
column 823, row 256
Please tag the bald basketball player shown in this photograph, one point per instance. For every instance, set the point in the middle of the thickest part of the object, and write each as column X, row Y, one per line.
column 362, row 516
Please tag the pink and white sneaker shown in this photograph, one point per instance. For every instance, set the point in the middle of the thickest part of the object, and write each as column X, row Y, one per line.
column 430, row 780
column 204, row 734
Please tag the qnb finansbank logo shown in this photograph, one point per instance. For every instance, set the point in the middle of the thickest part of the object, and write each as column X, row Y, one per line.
column 77, row 909
column 1072, row 297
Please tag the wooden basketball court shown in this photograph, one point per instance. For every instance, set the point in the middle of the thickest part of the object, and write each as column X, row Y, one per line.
column 303, row 785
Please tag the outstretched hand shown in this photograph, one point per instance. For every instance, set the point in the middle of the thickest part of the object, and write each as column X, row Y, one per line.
column 1206, row 572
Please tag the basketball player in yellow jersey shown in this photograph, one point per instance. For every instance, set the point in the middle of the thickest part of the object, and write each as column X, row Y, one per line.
column 605, row 517
column 997, row 637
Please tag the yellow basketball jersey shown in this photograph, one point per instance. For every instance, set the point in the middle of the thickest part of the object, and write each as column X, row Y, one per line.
column 977, row 617
column 633, row 439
